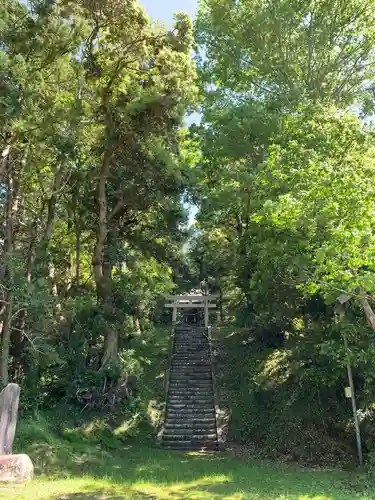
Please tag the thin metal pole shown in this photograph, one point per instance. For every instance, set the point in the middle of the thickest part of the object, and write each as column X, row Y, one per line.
column 206, row 312
column 354, row 406
column 174, row 314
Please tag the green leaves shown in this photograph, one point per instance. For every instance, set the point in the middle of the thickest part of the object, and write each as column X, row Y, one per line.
column 289, row 50
column 287, row 172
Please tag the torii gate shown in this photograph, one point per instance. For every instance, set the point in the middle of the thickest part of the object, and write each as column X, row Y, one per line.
column 191, row 302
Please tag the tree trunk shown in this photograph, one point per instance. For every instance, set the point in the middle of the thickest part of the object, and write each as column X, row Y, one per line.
column 110, row 347
column 51, row 207
column 101, row 232
column 111, row 337
column 5, row 345
column 43, row 262
column 11, row 212
column 137, row 325
column 221, row 305
column 370, row 315
column 102, row 270
column 78, row 255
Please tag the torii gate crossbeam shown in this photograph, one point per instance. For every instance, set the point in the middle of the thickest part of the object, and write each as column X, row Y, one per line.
column 191, row 302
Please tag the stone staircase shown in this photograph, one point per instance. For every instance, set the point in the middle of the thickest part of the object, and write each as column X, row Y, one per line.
column 190, row 422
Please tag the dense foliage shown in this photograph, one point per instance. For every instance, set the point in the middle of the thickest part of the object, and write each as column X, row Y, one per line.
column 95, row 164
column 93, row 169
column 287, row 207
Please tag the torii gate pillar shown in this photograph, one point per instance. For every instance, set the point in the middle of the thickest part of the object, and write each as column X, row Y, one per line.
column 206, row 312
column 174, row 314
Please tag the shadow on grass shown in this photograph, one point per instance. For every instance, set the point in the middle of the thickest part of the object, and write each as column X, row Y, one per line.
column 101, row 495
column 149, row 473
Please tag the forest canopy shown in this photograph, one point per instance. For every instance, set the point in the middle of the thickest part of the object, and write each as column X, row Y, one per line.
column 97, row 169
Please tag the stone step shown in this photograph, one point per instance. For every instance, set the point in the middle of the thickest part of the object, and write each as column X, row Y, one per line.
column 194, row 344
column 176, row 396
column 190, row 403
column 198, row 407
column 190, row 336
column 191, row 342
column 194, row 381
column 190, row 351
column 188, row 333
column 194, row 369
column 191, row 373
column 191, row 357
column 191, row 395
column 189, row 431
column 199, row 426
column 193, row 349
column 193, row 413
column 181, row 382
column 190, row 437
column 180, row 388
column 200, row 363
column 195, row 373
column 190, row 369
column 204, row 381
column 205, row 359
column 176, row 361
column 188, row 418
column 207, row 422
column 190, row 398
column 191, row 391
column 191, row 384
column 197, row 368
column 199, row 390
column 186, row 378
column 191, row 345
column 201, row 411
column 190, row 387
column 197, row 363
column 181, row 378
column 189, row 445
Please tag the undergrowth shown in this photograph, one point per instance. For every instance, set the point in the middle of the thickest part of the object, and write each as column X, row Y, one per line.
column 277, row 408
column 50, row 430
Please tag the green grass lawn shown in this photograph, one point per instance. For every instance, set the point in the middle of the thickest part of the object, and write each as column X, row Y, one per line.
column 141, row 472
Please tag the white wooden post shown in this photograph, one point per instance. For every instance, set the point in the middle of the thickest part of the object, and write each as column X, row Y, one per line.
column 206, row 312
column 174, row 314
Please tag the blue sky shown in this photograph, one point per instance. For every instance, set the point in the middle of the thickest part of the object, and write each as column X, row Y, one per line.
column 163, row 10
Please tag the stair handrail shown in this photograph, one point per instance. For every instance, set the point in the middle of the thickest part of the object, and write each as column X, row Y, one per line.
column 220, row 441
column 167, row 377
